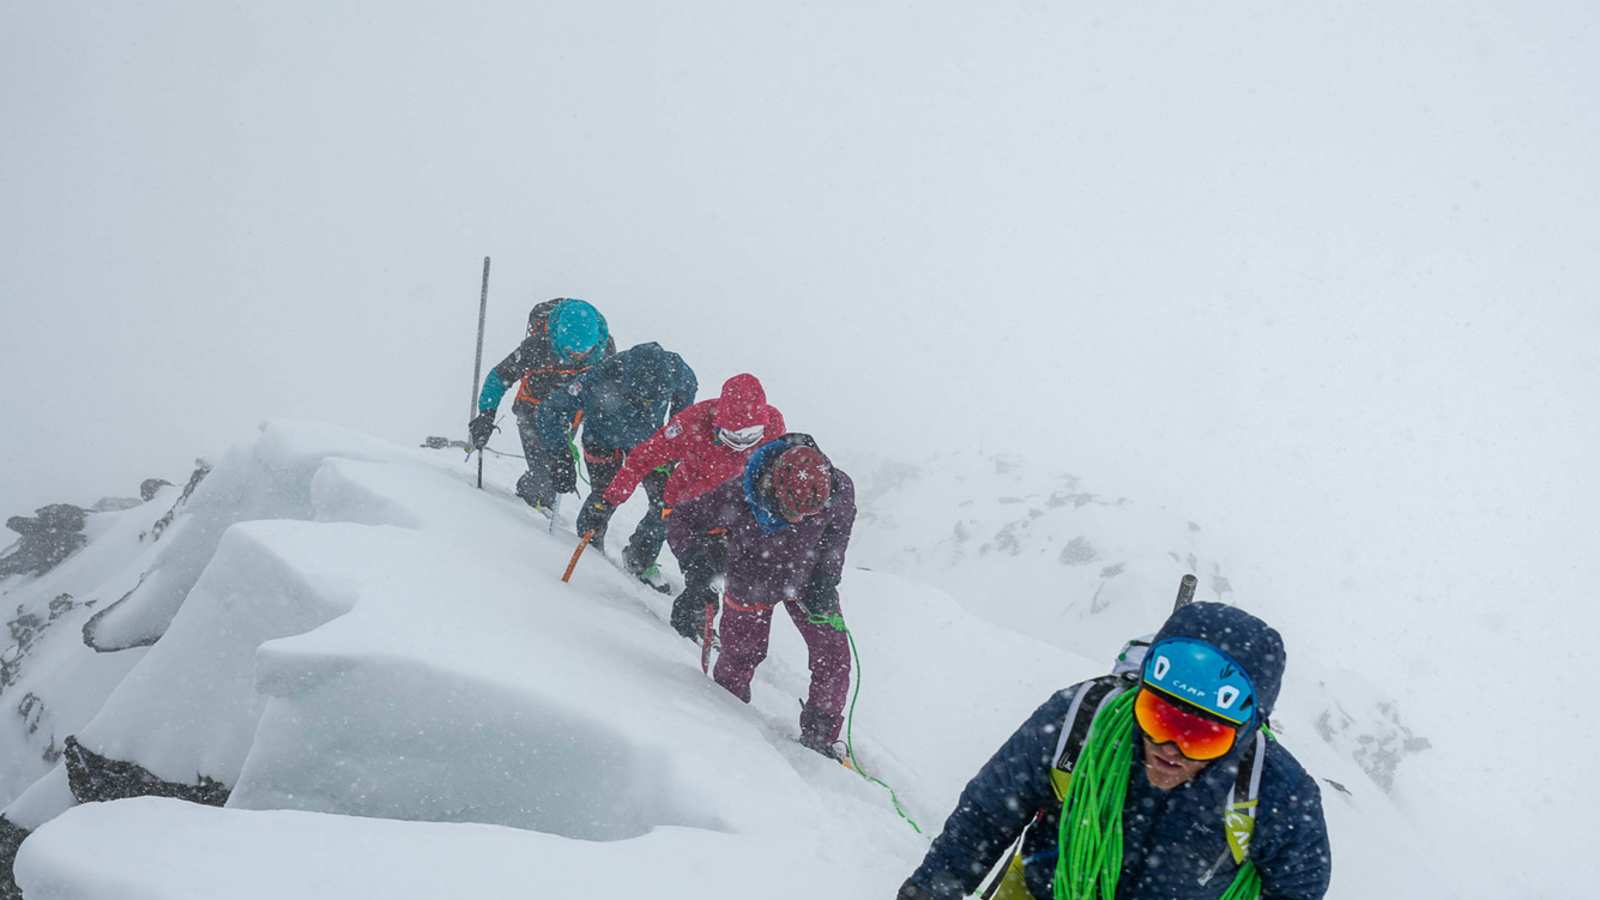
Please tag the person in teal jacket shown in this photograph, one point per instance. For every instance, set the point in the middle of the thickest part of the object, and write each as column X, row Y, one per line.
column 566, row 336
column 621, row 401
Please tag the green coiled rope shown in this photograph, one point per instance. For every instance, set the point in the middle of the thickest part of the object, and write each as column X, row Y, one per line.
column 1089, row 857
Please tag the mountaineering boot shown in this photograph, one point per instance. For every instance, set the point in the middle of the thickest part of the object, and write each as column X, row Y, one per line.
column 689, row 621
column 535, row 491
column 834, row 750
column 819, row 731
column 646, row 571
column 689, row 611
column 653, row 577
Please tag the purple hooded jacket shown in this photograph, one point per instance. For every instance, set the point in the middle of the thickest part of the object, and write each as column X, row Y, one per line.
column 769, row 559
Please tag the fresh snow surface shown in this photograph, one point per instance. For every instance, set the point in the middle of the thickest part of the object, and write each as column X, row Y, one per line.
column 156, row 849
column 366, row 638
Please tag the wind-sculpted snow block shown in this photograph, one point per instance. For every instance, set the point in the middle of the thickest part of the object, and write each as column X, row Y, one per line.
column 189, row 709
column 449, row 696
column 268, row 479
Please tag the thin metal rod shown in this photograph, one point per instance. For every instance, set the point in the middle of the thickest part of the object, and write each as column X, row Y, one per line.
column 477, row 362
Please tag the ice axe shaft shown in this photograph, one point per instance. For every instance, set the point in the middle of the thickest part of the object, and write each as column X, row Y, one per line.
column 1185, row 592
column 477, row 360
column 705, row 639
column 573, row 563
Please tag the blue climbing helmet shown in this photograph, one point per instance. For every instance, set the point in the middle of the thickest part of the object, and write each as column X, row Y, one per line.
column 1200, row 675
column 576, row 328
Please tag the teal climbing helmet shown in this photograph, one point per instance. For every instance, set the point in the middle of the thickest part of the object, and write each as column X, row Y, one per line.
column 576, row 328
column 1203, row 676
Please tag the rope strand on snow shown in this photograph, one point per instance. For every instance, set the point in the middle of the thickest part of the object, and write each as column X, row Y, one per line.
column 836, row 622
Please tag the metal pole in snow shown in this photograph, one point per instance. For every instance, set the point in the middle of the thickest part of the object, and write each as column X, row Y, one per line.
column 1185, row 592
column 477, row 362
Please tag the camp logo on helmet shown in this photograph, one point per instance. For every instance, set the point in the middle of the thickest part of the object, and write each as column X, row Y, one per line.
column 1203, row 676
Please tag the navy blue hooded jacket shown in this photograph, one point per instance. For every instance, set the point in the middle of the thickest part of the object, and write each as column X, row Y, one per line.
column 1170, row 838
column 624, row 399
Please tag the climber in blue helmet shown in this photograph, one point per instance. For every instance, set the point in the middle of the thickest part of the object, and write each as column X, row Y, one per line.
column 566, row 336
column 576, row 329
column 1163, row 783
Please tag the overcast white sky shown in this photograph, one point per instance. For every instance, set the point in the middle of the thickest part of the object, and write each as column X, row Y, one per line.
column 1323, row 276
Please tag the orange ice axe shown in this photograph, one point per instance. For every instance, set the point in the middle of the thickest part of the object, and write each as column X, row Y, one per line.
column 573, row 563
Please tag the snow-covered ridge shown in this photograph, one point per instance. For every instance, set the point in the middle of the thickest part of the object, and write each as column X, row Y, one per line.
column 366, row 635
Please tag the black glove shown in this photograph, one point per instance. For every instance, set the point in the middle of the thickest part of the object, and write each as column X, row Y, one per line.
column 594, row 516
column 479, row 429
column 823, row 602
column 563, row 473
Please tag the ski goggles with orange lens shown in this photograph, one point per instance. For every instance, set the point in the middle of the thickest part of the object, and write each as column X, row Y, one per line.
column 1165, row 722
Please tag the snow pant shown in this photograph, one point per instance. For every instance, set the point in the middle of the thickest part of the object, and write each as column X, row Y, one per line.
column 745, row 631
column 645, row 544
column 550, row 472
column 702, row 559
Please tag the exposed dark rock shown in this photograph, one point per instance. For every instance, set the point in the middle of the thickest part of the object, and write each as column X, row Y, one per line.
column 1078, row 552
column 24, row 630
column 1375, row 738
column 49, row 536
column 201, row 470
column 95, row 778
column 11, row 838
column 434, row 442
column 149, row 487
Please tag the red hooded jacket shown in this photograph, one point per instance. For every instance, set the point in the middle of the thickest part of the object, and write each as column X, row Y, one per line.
column 690, row 440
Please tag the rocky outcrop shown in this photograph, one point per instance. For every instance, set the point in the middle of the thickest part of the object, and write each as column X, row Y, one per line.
column 49, row 536
column 1367, row 727
column 201, row 470
column 24, row 631
column 11, row 838
column 95, row 778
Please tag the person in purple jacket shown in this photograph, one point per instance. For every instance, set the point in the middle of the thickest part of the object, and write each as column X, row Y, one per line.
column 787, row 522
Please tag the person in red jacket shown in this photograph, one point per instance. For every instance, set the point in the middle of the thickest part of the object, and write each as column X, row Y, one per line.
column 706, row 445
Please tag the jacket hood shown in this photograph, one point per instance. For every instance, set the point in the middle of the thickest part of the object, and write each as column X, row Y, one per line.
column 1253, row 644
column 742, row 404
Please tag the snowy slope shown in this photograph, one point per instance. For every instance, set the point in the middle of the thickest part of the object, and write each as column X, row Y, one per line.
column 369, row 639
column 54, row 683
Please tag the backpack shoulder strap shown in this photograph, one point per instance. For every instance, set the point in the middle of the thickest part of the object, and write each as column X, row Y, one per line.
column 1090, row 699
column 1239, row 813
column 1239, row 816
